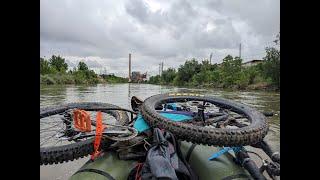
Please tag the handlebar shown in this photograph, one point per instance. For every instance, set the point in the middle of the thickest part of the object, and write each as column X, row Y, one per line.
column 249, row 165
column 275, row 156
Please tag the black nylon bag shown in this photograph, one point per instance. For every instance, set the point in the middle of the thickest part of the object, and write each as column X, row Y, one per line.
column 164, row 160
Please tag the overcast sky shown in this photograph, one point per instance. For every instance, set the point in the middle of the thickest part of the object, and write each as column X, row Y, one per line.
column 104, row 32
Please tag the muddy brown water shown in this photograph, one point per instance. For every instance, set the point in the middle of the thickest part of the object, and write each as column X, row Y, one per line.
column 120, row 94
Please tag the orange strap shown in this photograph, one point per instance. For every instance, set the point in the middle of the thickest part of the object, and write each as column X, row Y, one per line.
column 82, row 120
column 99, row 129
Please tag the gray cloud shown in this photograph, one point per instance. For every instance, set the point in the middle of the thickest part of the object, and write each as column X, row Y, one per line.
column 103, row 32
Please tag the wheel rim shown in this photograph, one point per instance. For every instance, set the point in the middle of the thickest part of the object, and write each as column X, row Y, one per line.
column 56, row 130
column 254, row 131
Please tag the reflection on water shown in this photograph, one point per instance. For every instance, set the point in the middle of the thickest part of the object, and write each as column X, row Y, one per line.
column 120, row 94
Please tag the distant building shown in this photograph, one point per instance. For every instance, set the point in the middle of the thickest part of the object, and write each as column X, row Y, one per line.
column 136, row 76
column 103, row 75
column 252, row 63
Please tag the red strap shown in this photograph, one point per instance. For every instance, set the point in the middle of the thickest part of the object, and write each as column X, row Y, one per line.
column 99, row 129
column 139, row 168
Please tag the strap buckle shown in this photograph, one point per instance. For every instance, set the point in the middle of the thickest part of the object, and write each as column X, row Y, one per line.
column 224, row 150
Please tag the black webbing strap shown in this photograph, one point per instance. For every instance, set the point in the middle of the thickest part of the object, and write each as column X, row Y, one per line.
column 105, row 174
column 236, row 176
column 190, row 151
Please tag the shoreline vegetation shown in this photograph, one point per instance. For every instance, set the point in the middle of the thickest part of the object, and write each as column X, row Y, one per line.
column 230, row 74
column 54, row 71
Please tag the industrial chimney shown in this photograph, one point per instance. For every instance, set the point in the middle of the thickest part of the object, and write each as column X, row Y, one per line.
column 129, row 67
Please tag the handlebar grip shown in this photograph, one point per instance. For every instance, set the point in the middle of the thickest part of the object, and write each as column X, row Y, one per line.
column 268, row 114
column 275, row 157
column 252, row 168
column 249, row 165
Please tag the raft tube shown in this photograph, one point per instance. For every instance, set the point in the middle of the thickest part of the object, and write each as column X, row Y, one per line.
column 105, row 167
column 221, row 168
column 110, row 167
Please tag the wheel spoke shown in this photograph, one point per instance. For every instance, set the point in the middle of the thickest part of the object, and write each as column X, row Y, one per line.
column 50, row 127
column 218, row 113
column 57, row 121
column 46, row 140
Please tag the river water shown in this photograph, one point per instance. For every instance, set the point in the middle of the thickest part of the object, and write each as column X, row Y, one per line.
column 120, row 94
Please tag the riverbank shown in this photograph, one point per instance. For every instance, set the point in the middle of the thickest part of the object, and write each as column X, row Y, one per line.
column 231, row 73
column 257, row 86
column 262, row 86
column 62, row 80
column 53, row 79
column 55, row 71
column 67, row 78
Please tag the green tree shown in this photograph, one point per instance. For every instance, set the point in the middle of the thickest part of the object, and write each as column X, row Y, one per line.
column 168, row 75
column 206, row 66
column 58, row 63
column 54, row 72
column 252, row 73
column 271, row 66
column 82, row 66
column 201, row 78
column 215, row 77
column 154, row 79
column 230, row 70
column 277, row 41
column 229, row 73
column 270, row 69
column 44, row 66
column 84, row 72
column 186, row 72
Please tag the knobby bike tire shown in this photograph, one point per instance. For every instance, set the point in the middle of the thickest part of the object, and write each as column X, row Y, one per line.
column 247, row 135
column 69, row 152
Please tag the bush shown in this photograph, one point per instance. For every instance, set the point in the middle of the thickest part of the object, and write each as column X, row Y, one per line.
column 229, row 73
column 54, row 72
column 168, row 76
column 271, row 66
column 45, row 79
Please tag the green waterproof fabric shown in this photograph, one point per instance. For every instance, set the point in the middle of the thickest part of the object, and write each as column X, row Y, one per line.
column 109, row 163
column 220, row 168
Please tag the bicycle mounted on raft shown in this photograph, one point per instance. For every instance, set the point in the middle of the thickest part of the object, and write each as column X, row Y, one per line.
column 81, row 129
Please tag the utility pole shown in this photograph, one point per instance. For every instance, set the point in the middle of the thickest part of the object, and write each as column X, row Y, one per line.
column 240, row 51
column 129, row 67
column 161, row 68
column 210, row 57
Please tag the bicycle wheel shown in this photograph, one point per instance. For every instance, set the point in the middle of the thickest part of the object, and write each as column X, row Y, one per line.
column 254, row 131
column 54, row 128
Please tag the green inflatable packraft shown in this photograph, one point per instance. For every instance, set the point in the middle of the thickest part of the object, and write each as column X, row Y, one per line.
column 109, row 166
